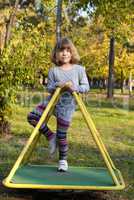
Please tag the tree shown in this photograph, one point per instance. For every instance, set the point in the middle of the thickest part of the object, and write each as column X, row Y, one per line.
column 122, row 11
column 24, row 59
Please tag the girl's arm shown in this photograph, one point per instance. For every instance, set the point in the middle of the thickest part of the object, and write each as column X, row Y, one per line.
column 83, row 83
column 51, row 84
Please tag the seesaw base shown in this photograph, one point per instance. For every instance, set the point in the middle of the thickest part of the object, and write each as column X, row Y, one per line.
column 47, row 177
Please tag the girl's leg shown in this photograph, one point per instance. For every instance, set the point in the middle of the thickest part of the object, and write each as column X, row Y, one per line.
column 33, row 118
column 62, row 127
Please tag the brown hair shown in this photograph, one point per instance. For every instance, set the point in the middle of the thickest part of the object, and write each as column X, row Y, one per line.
column 65, row 43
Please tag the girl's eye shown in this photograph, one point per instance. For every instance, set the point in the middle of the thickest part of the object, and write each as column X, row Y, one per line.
column 62, row 49
column 67, row 49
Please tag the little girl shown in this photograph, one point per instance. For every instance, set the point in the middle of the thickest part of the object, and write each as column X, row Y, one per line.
column 68, row 74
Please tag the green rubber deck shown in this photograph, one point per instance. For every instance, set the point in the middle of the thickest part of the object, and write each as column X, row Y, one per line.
column 76, row 176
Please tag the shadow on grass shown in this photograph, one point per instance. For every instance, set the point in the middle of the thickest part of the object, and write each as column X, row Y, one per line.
column 29, row 194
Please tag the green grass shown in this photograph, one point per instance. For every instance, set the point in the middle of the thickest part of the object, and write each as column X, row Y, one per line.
column 114, row 120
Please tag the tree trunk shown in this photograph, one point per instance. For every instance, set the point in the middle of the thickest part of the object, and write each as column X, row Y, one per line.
column 130, row 82
column 2, row 32
column 122, row 82
column 58, row 20
column 111, row 67
column 10, row 24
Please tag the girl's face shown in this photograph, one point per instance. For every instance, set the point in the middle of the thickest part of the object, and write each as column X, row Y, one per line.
column 65, row 56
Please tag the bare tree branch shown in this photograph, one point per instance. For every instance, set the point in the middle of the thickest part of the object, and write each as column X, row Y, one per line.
column 10, row 23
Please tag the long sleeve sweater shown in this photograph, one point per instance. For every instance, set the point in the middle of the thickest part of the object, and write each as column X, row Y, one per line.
column 66, row 105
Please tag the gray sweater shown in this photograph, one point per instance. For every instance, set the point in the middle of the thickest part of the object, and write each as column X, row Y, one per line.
column 66, row 105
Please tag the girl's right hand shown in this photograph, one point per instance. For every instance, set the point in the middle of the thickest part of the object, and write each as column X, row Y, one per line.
column 61, row 84
column 67, row 84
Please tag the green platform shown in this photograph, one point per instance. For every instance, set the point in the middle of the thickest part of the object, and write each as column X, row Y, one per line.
column 48, row 175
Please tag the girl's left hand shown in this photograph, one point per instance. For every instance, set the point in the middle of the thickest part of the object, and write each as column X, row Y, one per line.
column 71, row 89
column 70, row 86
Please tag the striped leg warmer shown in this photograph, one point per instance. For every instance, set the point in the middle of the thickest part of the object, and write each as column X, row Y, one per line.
column 62, row 127
column 33, row 118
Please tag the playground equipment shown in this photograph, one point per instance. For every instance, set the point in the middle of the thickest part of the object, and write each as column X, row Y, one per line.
column 24, row 175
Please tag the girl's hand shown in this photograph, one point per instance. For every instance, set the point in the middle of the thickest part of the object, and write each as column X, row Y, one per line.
column 70, row 86
column 72, row 89
column 61, row 84
column 65, row 84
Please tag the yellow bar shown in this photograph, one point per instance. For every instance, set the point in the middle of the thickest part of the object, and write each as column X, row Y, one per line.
column 119, row 184
column 62, row 187
column 99, row 138
column 94, row 133
column 33, row 135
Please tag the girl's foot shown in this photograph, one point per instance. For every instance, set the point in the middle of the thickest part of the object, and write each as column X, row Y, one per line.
column 52, row 145
column 63, row 166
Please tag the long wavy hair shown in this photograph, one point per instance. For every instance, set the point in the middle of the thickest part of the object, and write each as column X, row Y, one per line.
column 65, row 43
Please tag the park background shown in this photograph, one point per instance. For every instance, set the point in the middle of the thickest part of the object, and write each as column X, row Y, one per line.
column 103, row 32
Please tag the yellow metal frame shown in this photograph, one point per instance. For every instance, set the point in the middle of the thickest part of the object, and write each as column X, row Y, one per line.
column 32, row 141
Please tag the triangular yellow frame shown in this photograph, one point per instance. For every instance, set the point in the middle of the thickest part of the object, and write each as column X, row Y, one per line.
column 28, row 148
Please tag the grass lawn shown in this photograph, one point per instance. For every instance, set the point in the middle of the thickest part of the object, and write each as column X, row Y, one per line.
column 114, row 120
